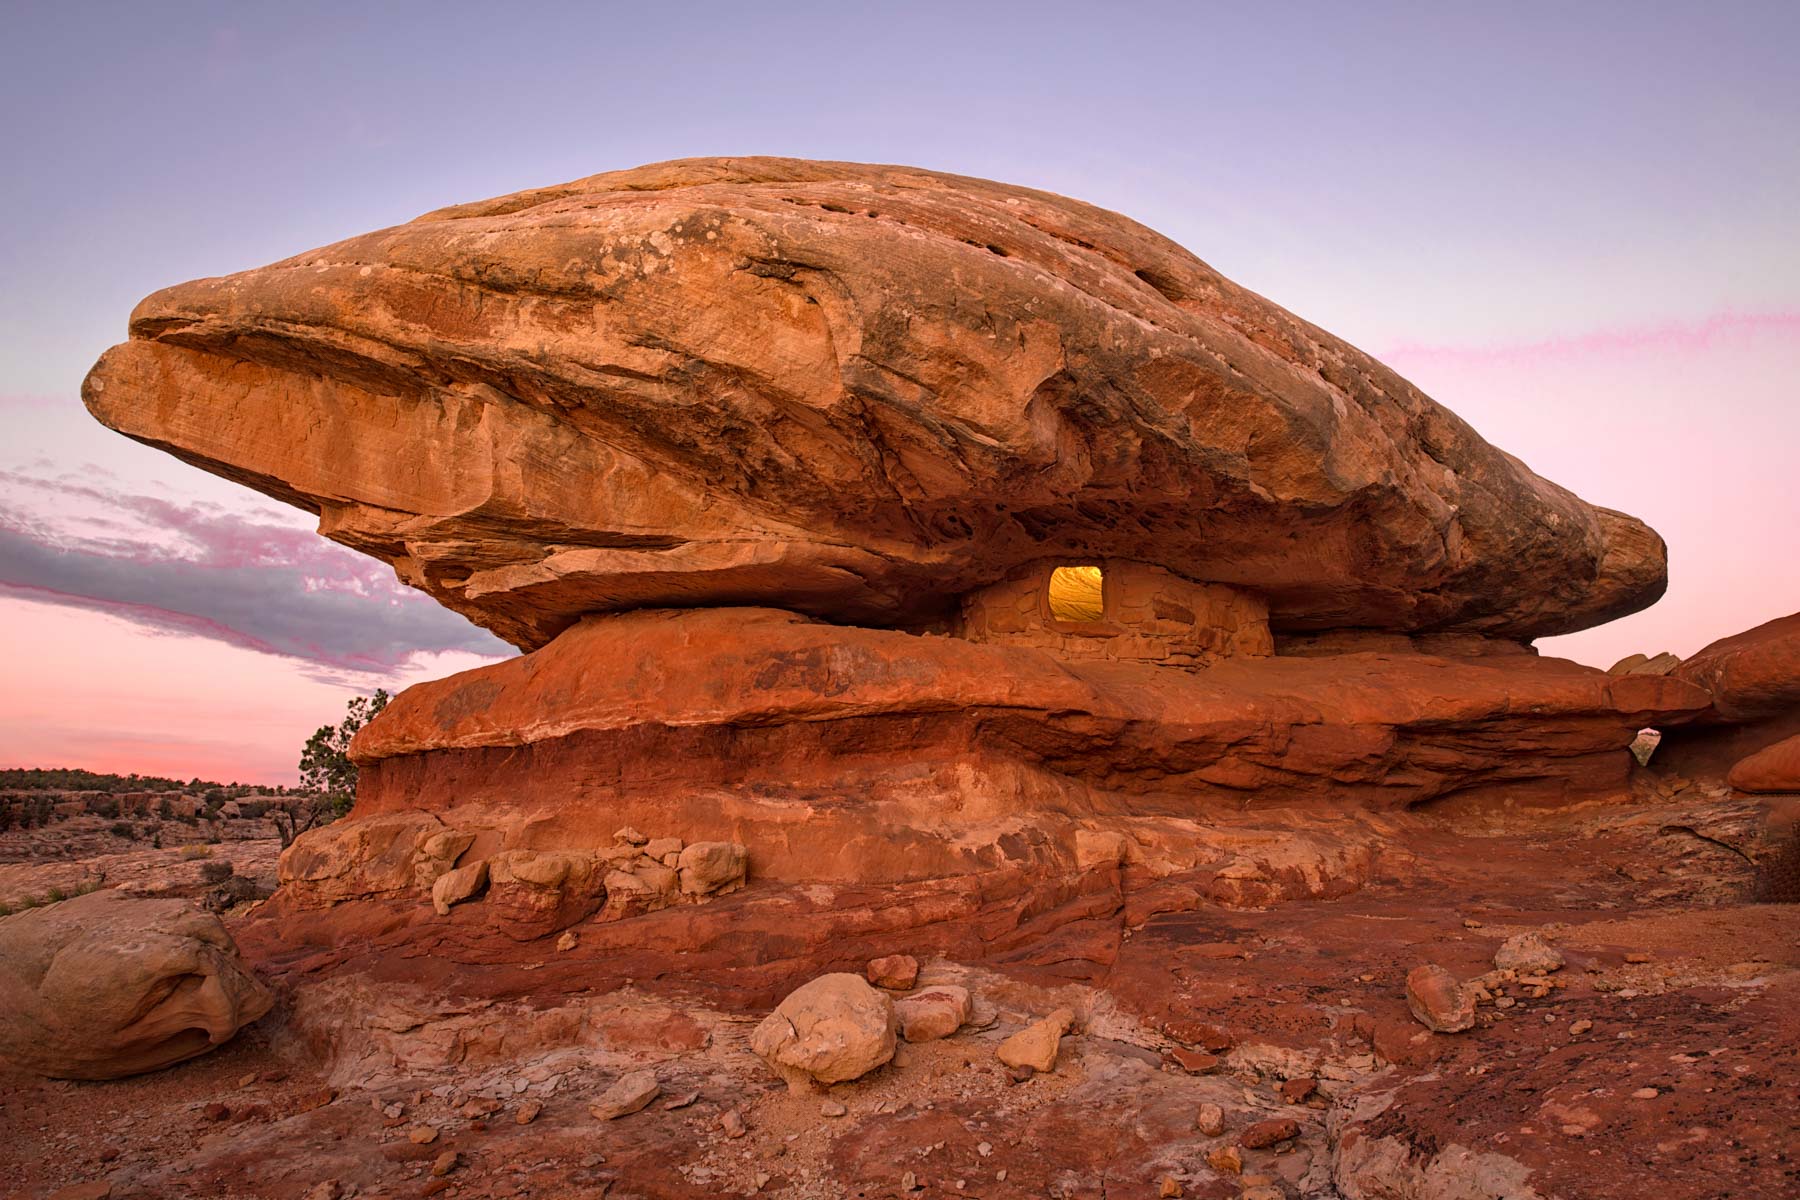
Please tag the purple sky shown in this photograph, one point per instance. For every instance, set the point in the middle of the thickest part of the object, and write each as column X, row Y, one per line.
column 1576, row 225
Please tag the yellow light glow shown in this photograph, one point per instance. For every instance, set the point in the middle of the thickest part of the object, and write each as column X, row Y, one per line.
column 1075, row 594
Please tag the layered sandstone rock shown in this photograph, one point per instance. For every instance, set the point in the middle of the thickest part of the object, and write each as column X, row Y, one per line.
column 104, row 986
column 1754, row 681
column 1751, row 675
column 860, row 392
column 841, row 755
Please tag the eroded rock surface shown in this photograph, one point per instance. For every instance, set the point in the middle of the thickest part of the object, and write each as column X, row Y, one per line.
column 103, row 986
column 857, row 755
column 857, row 391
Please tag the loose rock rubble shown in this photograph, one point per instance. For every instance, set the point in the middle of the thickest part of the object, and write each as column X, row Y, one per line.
column 1438, row 1001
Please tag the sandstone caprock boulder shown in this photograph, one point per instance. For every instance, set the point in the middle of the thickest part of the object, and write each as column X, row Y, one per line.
column 857, row 392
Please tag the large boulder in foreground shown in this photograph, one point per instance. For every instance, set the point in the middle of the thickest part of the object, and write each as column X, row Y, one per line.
column 859, row 392
column 104, row 986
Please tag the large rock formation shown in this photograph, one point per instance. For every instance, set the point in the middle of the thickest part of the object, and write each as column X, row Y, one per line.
column 104, row 986
column 857, row 392
column 875, row 526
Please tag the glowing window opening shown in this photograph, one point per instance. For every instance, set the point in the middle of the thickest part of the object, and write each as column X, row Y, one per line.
column 1077, row 594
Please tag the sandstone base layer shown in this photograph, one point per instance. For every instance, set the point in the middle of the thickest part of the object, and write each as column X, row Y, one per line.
column 843, row 754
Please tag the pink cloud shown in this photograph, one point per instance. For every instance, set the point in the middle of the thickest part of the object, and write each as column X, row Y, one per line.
column 1680, row 336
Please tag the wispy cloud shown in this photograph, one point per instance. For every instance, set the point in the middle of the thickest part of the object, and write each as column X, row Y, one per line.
column 258, row 579
column 1688, row 336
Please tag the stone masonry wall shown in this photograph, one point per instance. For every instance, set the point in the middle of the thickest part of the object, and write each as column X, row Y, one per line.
column 1150, row 615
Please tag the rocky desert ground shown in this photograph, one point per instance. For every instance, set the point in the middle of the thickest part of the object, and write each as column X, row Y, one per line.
column 1002, row 712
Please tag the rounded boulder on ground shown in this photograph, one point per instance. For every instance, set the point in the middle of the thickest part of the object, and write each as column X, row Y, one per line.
column 833, row 1029
column 104, row 986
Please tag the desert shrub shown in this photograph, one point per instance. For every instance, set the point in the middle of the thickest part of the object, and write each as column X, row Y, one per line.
column 56, row 894
column 121, row 829
column 216, row 871
column 165, row 810
column 254, row 809
column 107, row 807
column 1778, row 874
column 196, row 851
column 325, row 766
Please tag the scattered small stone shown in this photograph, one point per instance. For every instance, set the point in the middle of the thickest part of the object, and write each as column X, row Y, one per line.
column 568, row 941
column 910, row 1182
column 1020, row 1074
column 394, row 1110
column 832, row 1108
column 1296, row 1091
column 1637, row 956
column 1227, row 1159
column 326, row 1190
column 761, row 1179
column 215, row 1111
column 1528, row 954
column 681, row 1101
column 247, row 1080
column 628, row 1094
column 1262, row 1193
column 480, row 1106
column 1210, row 1120
column 933, row 1013
column 898, row 972
column 316, row 1098
column 1267, row 1133
column 1577, row 1028
column 732, row 1123
column 1194, row 1062
column 1504, row 1002
column 1645, row 1093
column 528, row 1112
column 446, row 1163
column 1000, row 1175
column 1438, row 1001
column 1035, row 1045
column 423, row 1135
column 630, row 837
column 1168, row 1187
column 1471, row 923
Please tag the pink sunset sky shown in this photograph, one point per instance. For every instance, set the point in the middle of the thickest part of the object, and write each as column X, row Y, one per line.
column 1580, row 230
